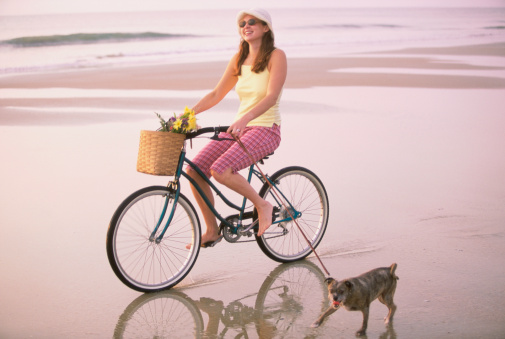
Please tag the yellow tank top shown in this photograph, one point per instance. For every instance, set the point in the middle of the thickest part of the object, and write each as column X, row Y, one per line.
column 252, row 88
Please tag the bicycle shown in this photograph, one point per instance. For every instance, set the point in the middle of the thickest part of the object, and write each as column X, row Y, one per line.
column 148, row 233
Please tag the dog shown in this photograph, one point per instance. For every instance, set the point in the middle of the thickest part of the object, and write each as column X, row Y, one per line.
column 356, row 294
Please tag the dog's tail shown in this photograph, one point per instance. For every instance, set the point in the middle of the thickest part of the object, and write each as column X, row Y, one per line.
column 392, row 271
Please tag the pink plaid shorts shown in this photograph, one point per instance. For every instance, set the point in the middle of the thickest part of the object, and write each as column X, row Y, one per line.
column 221, row 155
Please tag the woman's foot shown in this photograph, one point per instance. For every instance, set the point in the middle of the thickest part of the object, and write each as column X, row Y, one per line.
column 265, row 217
column 207, row 239
column 211, row 243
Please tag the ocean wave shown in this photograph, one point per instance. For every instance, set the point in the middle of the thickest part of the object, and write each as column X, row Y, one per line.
column 351, row 26
column 86, row 38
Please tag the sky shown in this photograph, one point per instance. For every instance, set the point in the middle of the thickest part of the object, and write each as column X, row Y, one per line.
column 30, row 7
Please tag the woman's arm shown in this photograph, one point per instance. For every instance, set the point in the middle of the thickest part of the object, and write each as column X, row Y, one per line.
column 278, row 68
column 228, row 80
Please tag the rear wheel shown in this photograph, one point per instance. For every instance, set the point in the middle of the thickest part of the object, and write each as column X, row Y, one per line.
column 307, row 202
column 138, row 260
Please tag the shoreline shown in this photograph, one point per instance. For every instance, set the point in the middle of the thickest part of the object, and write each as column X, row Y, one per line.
column 303, row 72
column 98, row 95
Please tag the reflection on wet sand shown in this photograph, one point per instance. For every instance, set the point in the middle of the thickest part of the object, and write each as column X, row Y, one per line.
column 290, row 296
column 390, row 332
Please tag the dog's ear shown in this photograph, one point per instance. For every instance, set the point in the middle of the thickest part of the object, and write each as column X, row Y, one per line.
column 329, row 280
column 348, row 284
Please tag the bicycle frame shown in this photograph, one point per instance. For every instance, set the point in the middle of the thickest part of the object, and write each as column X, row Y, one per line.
column 175, row 192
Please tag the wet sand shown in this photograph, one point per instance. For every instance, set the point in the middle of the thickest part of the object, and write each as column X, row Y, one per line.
column 409, row 144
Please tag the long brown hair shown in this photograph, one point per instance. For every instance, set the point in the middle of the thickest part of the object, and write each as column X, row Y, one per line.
column 263, row 57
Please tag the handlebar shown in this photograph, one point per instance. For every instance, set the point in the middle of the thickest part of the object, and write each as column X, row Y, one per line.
column 215, row 130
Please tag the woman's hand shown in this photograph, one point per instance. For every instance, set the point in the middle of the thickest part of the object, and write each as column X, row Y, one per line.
column 237, row 128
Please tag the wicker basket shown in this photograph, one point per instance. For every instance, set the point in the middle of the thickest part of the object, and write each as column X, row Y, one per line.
column 159, row 152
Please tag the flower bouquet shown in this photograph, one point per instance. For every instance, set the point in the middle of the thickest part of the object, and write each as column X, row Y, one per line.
column 185, row 123
column 159, row 152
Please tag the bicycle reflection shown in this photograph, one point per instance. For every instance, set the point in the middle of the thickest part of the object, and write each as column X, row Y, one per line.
column 287, row 302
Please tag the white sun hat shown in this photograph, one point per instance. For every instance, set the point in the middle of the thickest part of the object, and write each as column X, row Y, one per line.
column 259, row 13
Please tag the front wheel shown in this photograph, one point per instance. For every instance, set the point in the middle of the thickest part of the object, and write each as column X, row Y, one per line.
column 160, row 315
column 136, row 257
column 305, row 198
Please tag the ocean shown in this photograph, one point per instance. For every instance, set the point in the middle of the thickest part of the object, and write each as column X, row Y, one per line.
column 79, row 41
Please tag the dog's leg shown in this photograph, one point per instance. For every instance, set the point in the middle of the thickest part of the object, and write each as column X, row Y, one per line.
column 319, row 321
column 366, row 312
column 392, row 310
column 388, row 301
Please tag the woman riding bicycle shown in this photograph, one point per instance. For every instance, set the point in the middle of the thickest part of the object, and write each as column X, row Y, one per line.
column 258, row 72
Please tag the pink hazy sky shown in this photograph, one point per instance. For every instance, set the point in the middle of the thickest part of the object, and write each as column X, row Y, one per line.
column 28, row 7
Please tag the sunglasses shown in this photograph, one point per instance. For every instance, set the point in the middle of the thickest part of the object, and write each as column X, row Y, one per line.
column 250, row 22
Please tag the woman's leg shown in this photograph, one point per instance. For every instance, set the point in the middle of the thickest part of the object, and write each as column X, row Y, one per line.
column 259, row 141
column 239, row 184
column 204, row 159
column 212, row 228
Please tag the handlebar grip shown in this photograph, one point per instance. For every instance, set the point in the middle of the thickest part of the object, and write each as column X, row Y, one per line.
column 204, row 130
column 221, row 128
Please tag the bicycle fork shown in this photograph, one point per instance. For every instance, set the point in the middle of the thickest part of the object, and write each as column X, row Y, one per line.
column 174, row 190
column 172, row 194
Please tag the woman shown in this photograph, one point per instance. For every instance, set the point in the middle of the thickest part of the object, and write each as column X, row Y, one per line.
column 257, row 72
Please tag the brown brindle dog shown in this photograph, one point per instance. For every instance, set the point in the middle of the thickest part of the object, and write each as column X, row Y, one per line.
column 356, row 294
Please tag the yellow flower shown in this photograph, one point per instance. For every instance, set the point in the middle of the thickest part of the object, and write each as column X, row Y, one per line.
column 187, row 113
column 177, row 124
column 191, row 123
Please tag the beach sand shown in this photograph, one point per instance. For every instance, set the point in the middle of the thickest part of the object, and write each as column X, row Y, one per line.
column 409, row 144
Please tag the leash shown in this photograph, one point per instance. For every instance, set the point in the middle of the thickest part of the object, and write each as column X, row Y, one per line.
column 281, row 200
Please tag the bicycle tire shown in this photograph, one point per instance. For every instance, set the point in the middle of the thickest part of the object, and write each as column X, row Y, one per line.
column 307, row 195
column 160, row 315
column 143, row 264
